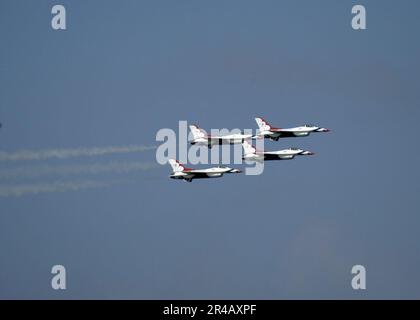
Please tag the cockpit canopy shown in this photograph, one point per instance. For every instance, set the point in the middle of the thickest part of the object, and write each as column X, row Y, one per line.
column 309, row 125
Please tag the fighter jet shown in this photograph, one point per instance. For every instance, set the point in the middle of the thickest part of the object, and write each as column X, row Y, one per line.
column 267, row 131
column 252, row 154
column 200, row 137
column 180, row 172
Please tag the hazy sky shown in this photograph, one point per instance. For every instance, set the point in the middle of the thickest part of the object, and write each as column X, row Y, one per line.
column 124, row 69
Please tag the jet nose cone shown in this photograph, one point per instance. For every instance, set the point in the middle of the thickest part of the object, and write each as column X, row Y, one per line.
column 308, row 153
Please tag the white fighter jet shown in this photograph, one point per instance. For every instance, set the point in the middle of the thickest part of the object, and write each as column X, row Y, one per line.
column 180, row 172
column 268, row 131
column 252, row 154
column 200, row 137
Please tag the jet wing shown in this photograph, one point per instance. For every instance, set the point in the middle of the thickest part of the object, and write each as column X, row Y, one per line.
column 213, row 172
column 204, row 174
column 198, row 171
column 287, row 133
column 277, row 130
column 230, row 139
column 227, row 138
column 275, row 153
column 277, row 156
column 214, row 137
column 295, row 130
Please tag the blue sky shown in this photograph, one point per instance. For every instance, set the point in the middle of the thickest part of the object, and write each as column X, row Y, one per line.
column 125, row 69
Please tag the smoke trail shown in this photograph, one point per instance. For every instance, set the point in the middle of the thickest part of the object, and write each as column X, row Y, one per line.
column 70, row 153
column 24, row 189
column 94, row 168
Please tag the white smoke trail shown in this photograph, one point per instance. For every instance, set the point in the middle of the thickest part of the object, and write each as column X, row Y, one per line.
column 70, row 153
column 58, row 186
column 94, row 168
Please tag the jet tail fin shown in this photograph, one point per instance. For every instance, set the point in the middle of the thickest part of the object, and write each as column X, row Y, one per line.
column 176, row 166
column 248, row 148
column 197, row 132
column 262, row 124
